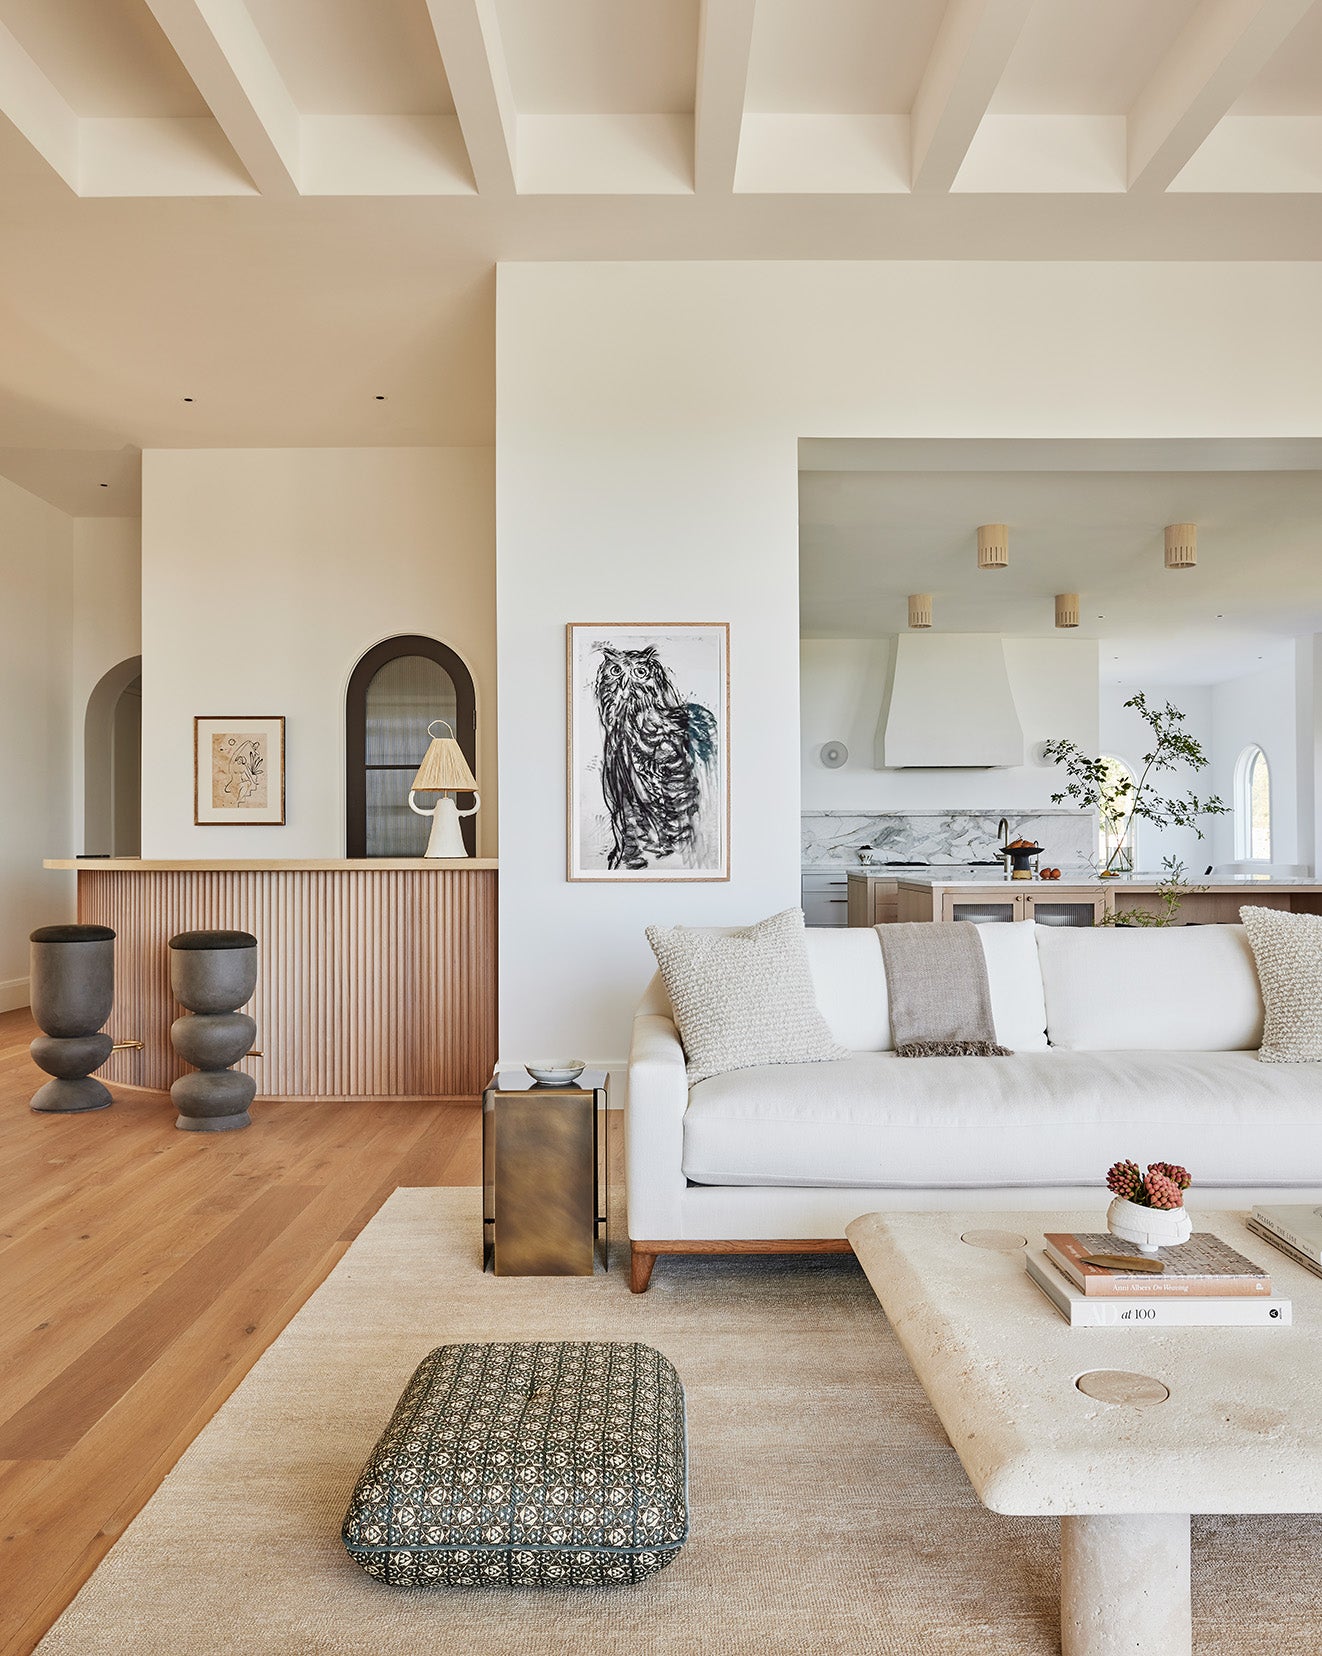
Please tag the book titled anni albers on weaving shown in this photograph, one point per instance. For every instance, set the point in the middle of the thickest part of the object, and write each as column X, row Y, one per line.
column 1205, row 1267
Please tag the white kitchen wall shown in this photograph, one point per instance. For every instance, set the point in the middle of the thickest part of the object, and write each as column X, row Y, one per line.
column 266, row 574
column 1259, row 708
column 1127, row 737
column 842, row 682
column 648, row 419
column 36, row 566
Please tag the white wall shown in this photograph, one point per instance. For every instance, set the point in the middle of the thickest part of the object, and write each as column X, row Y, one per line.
column 266, row 574
column 36, row 564
column 106, row 630
column 1127, row 737
column 648, row 419
column 842, row 682
column 1259, row 707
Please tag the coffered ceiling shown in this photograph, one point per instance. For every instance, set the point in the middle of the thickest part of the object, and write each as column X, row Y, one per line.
column 288, row 210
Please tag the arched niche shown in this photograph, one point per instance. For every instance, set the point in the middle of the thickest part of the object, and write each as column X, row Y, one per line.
column 394, row 692
column 112, row 763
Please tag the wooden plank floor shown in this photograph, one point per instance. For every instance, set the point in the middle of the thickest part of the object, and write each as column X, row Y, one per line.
column 142, row 1273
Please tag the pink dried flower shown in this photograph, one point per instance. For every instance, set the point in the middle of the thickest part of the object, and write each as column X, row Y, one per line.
column 1161, row 1192
column 1177, row 1175
column 1125, row 1180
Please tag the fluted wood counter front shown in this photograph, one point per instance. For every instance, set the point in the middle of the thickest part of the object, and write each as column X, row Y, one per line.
column 376, row 978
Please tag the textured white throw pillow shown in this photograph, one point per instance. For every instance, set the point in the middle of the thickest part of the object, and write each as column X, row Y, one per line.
column 742, row 998
column 1288, row 951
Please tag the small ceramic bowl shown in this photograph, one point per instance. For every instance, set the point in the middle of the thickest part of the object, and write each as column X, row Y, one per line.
column 555, row 1072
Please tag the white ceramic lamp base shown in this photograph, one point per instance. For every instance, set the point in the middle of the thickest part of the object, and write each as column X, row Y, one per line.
column 446, row 838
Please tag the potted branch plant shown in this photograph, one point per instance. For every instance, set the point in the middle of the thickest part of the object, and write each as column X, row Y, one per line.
column 1148, row 1209
column 1096, row 784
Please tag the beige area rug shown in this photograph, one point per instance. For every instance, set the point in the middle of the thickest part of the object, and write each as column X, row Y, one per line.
column 828, row 1513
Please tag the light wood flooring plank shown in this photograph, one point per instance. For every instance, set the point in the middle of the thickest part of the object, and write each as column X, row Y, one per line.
column 143, row 1271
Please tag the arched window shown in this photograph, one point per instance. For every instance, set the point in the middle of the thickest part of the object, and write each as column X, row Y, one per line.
column 1117, row 833
column 395, row 691
column 1253, row 806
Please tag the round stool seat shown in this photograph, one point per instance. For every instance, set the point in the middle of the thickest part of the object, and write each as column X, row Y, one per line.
column 72, row 934
column 213, row 940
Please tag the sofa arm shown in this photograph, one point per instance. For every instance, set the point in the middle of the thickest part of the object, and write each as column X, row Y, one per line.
column 654, row 1128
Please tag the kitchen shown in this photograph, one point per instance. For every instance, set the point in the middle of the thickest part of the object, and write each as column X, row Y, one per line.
column 937, row 674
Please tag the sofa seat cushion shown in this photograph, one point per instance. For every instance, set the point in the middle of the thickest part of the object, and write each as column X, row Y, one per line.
column 1052, row 1118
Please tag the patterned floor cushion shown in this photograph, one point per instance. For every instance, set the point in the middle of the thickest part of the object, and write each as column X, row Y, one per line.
column 538, row 1464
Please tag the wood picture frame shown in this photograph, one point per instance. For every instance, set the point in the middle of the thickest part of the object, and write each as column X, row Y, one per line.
column 238, row 771
column 647, row 711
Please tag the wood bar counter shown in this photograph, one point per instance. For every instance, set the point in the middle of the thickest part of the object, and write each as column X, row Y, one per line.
column 376, row 977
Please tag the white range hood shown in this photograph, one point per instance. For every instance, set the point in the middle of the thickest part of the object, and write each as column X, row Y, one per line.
column 949, row 706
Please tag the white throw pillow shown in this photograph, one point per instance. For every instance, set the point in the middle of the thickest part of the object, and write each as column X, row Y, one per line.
column 1015, row 980
column 742, row 998
column 1288, row 952
column 1150, row 988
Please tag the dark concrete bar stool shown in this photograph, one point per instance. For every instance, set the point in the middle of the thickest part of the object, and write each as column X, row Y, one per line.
column 73, row 989
column 213, row 973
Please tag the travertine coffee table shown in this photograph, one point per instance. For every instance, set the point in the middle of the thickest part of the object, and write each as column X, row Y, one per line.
column 1233, row 1423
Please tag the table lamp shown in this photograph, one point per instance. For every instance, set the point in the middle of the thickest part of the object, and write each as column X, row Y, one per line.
column 444, row 770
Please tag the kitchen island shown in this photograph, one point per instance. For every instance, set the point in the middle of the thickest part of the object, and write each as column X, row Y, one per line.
column 1073, row 900
column 376, row 977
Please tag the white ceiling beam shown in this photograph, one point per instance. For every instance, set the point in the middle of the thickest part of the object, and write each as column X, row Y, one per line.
column 968, row 59
column 725, row 39
column 219, row 45
column 468, row 34
column 32, row 103
column 1211, row 61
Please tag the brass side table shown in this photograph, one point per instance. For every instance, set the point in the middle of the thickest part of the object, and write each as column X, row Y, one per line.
column 544, row 1180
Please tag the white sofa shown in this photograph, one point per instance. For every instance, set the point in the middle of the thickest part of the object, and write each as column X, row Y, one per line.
column 1137, row 1043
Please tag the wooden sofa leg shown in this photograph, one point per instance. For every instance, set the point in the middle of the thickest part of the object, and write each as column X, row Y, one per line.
column 640, row 1268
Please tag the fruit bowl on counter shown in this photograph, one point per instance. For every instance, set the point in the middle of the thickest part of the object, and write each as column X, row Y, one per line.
column 1021, row 853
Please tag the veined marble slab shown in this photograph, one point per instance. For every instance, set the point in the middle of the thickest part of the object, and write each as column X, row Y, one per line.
column 832, row 838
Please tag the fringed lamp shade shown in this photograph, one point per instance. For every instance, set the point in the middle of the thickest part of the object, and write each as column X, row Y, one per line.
column 444, row 769
column 1067, row 609
column 993, row 546
column 1181, row 545
column 920, row 609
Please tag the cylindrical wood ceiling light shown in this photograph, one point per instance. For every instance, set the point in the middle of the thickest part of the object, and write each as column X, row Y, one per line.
column 1067, row 609
column 993, row 545
column 1181, row 545
column 920, row 609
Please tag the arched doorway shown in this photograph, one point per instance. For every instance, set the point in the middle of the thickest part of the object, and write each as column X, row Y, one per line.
column 112, row 763
column 397, row 688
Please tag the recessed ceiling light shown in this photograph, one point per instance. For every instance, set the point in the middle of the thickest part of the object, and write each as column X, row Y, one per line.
column 188, row 399
column 106, row 486
column 1219, row 616
column 1101, row 618
column 380, row 397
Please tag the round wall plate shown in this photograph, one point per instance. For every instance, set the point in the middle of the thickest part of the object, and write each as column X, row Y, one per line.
column 834, row 754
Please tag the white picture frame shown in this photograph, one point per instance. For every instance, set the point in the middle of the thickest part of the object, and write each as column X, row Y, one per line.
column 648, row 714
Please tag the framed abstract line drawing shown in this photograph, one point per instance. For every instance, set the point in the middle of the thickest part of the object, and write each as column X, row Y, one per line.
column 649, row 751
column 238, row 771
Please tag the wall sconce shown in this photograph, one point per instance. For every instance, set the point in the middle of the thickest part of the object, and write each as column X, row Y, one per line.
column 1181, row 545
column 993, row 545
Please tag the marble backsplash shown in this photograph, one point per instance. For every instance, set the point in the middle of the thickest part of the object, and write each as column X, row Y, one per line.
column 832, row 838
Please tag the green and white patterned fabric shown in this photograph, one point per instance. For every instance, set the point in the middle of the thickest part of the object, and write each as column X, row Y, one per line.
column 530, row 1464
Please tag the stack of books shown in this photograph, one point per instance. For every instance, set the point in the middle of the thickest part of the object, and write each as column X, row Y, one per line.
column 1203, row 1284
column 1296, row 1231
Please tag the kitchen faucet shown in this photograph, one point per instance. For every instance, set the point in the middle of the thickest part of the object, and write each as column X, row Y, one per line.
column 1002, row 839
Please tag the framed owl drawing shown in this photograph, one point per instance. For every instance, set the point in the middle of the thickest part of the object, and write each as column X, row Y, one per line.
column 649, row 751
